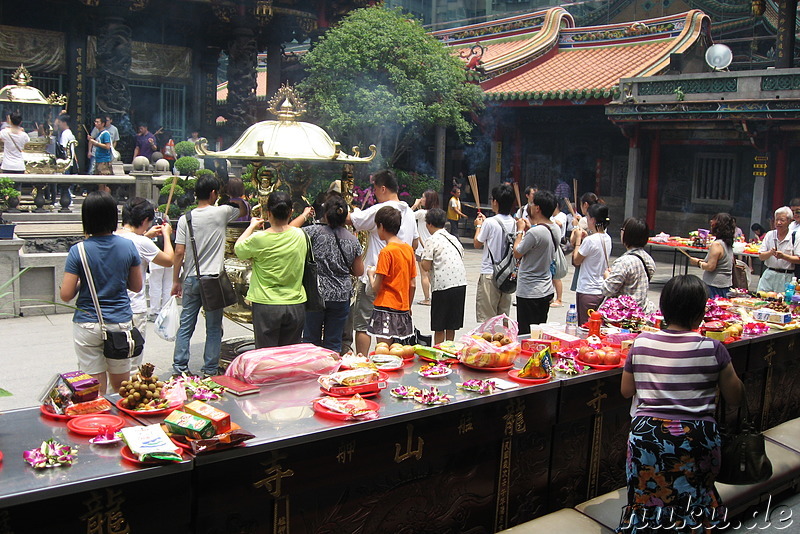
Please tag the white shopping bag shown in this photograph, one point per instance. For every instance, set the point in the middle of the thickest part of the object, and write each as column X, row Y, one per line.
column 168, row 320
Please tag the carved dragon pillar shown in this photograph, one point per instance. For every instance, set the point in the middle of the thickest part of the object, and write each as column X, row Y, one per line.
column 242, row 63
column 113, row 66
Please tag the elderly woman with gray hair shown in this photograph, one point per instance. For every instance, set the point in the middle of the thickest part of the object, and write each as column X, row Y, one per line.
column 780, row 253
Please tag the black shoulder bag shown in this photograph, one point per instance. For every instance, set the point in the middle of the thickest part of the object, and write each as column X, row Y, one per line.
column 314, row 300
column 119, row 345
column 744, row 458
column 216, row 290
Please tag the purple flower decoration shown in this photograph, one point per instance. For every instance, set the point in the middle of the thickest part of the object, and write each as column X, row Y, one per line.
column 50, row 454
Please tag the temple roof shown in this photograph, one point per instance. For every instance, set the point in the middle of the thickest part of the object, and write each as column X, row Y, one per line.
column 542, row 56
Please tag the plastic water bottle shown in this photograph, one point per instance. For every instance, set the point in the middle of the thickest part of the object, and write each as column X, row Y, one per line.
column 789, row 292
column 572, row 320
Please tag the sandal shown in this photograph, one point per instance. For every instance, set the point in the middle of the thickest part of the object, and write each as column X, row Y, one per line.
column 425, row 302
column 556, row 304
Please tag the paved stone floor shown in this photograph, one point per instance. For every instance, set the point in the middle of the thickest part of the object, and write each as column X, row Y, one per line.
column 34, row 348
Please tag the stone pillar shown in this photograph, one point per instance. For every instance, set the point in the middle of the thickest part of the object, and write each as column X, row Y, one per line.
column 441, row 150
column 652, row 179
column 205, row 115
column 9, row 268
column 274, row 56
column 633, row 184
column 144, row 185
column 242, row 64
column 114, row 43
column 785, row 41
column 781, row 172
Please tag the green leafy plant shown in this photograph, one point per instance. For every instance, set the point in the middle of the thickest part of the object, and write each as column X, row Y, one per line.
column 165, row 189
column 187, row 165
column 7, row 190
column 174, row 210
column 379, row 77
column 185, row 148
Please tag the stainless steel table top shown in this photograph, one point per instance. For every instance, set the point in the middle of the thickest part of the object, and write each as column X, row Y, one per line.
column 282, row 415
column 96, row 466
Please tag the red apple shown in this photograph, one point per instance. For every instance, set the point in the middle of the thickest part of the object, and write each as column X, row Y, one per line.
column 590, row 357
column 612, row 358
column 601, row 355
column 583, row 350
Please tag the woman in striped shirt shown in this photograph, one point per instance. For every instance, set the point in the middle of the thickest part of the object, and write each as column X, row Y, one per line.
column 674, row 443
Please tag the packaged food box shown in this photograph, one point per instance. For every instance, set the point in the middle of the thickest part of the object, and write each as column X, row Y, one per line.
column 190, row 425
column 536, row 345
column 719, row 336
column 84, row 387
column 772, row 316
column 221, row 420
column 568, row 341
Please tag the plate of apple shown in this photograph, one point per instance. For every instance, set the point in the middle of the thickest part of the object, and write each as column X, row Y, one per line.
column 602, row 359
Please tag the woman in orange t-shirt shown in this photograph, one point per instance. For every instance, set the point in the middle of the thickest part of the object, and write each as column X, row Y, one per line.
column 393, row 280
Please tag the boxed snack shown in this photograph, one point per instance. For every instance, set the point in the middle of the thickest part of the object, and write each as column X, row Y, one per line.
column 221, row 420
column 57, row 395
column 186, row 424
column 535, row 345
column 92, row 406
column 718, row 335
column 568, row 341
column 772, row 316
column 84, row 387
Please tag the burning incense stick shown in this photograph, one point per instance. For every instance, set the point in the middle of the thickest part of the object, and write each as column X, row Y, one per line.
column 473, row 184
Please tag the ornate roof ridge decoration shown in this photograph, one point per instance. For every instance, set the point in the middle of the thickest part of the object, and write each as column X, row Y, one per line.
column 607, row 34
column 24, row 93
column 491, row 29
column 285, row 139
column 611, row 52
column 533, row 43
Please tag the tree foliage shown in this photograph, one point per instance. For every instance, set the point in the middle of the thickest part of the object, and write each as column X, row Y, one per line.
column 379, row 78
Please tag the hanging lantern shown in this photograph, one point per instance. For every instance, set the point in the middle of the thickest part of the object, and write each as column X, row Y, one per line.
column 758, row 7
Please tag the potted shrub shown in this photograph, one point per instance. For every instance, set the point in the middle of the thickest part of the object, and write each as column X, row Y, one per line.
column 187, row 165
column 185, row 148
column 9, row 198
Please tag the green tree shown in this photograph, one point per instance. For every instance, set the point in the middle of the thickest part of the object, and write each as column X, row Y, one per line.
column 379, row 78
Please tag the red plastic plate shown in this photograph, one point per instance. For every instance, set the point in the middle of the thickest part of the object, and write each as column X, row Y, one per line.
column 324, row 412
column 164, row 411
column 89, row 425
column 48, row 412
column 132, row 458
column 513, row 374
column 599, row 366
column 373, row 388
column 488, row 369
